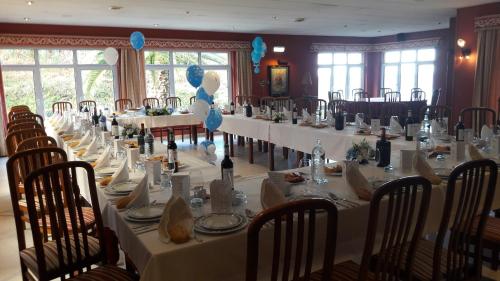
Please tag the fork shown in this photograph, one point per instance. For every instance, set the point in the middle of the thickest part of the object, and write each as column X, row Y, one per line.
column 348, row 203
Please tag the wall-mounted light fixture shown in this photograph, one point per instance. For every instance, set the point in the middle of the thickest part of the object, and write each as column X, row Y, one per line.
column 465, row 51
column 279, row 49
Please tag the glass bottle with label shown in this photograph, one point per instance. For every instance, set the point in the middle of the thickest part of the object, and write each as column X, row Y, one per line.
column 114, row 128
column 294, row 115
column 459, row 130
column 227, row 167
column 409, row 128
column 140, row 139
column 172, row 148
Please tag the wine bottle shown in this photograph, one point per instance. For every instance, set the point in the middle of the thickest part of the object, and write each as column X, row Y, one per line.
column 459, row 130
column 294, row 115
column 271, row 111
column 171, row 166
column 409, row 132
column 172, row 148
column 140, row 139
column 383, row 151
column 339, row 120
column 149, row 140
column 95, row 118
column 248, row 110
column 232, row 108
column 227, row 167
column 114, row 128
column 102, row 121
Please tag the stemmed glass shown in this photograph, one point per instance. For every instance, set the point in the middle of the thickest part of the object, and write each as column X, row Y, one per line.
column 167, row 170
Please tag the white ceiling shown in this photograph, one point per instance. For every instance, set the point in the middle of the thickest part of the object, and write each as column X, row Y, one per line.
column 322, row 17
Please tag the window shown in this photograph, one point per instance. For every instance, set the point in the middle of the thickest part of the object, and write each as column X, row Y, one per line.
column 166, row 73
column 339, row 71
column 40, row 77
column 407, row 69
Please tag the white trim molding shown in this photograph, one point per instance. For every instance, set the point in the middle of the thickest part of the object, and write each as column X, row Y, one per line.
column 382, row 47
column 487, row 22
column 34, row 40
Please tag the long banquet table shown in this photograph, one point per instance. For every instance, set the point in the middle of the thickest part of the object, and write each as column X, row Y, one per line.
column 223, row 257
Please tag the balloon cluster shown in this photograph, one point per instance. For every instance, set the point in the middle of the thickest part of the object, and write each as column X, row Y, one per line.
column 137, row 40
column 207, row 83
column 207, row 149
column 111, row 56
column 259, row 51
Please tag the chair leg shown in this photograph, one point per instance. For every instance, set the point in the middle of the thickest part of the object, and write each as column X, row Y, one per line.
column 285, row 153
column 494, row 259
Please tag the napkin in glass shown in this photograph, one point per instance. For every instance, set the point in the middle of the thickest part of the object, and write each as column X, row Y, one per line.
column 330, row 119
column 435, row 127
column 306, row 117
column 424, row 169
column 104, row 159
column 92, row 147
column 357, row 181
column 278, row 179
column 486, row 132
column 474, row 153
column 85, row 139
column 121, row 174
column 176, row 223
column 138, row 198
column 268, row 110
column 395, row 127
column 221, row 196
column 270, row 194
column 287, row 113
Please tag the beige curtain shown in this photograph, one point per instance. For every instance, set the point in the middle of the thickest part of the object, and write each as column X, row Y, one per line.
column 132, row 76
column 3, row 117
column 486, row 85
column 244, row 73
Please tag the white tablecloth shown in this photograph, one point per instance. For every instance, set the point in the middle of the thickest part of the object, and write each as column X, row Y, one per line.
column 246, row 127
column 157, row 121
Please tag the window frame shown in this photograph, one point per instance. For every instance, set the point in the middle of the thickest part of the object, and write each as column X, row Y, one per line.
column 77, row 70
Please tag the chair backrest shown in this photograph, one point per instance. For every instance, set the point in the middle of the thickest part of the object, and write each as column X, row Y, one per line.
column 401, row 206
column 476, row 117
column 318, row 104
column 470, row 191
column 123, row 104
column 24, row 125
column 36, row 142
column 358, row 107
column 303, row 103
column 436, row 95
column 13, row 139
column 266, row 101
column 361, row 96
column 18, row 167
column 283, row 102
column 192, row 100
column 173, row 102
column 253, row 100
column 336, row 106
column 354, row 92
column 17, row 109
column 393, row 96
column 27, row 115
column 153, row 102
column 89, row 104
column 393, row 109
column 305, row 210
column 417, row 94
column 383, row 91
column 20, row 121
column 53, row 181
column 332, row 95
column 435, row 112
column 61, row 106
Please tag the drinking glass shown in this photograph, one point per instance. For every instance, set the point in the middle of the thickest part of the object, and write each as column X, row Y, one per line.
column 239, row 202
column 197, row 207
column 196, row 179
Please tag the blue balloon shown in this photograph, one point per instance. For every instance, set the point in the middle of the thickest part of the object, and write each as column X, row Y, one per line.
column 137, row 40
column 256, row 56
column 214, row 119
column 194, row 75
column 201, row 94
column 257, row 42
column 256, row 70
column 206, row 143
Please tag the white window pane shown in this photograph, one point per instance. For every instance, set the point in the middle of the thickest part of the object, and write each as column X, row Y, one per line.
column 339, row 78
column 221, row 96
column 324, row 80
column 157, row 83
column 426, row 55
column 426, row 79
column 392, row 56
column 58, row 84
column 355, row 78
column 407, row 80
column 355, row 58
column 90, row 57
column 54, row 56
column 391, row 77
column 19, row 89
column 325, row 58
column 17, row 56
column 156, row 57
column 183, row 89
column 214, row 59
column 185, row 58
column 409, row 56
column 339, row 58
column 98, row 86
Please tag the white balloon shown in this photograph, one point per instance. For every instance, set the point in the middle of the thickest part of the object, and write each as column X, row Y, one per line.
column 211, row 149
column 111, row 56
column 211, row 82
column 212, row 158
column 200, row 109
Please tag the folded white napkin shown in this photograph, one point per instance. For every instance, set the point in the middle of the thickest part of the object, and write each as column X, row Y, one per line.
column 68, row 127
column 120, row 175
column 474, row 153
column 270, row 194
column 486, row 132
column 361, row 123
column 221, row 196
column 92, row 147
column 86, row 139
column 278, row 179
column 306, row 117
column 60, row 126
column 140, row 195
column 424, row 169
column 435, row 127
column 177, row 222
column 104, row 159
column 329, row 118
column 395, row 127
column 287, row 113
column 357, row 181
column 268, row 110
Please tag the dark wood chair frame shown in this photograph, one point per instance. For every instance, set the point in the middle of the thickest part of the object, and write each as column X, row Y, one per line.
column 174, row 102
column 383, row 91
column 153, row 102
column 361, row 96
column 417, row 94
column 392, row 109
column 13, row 139
column 36, row 142
column 283, row 102
column 21, row 121
column 192, row 100
column 334, row 95
column 435, row 112
column 24, row 125
column 121, row 104
column 394, row 96
column 28, row 115
column 478, row 118
column 61, row 106
column 337, row 105
column 90, row 104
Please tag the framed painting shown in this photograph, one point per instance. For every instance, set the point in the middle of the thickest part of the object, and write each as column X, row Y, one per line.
column 278, row 80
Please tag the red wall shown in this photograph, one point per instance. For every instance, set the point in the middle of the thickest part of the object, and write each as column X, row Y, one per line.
column 464, row 70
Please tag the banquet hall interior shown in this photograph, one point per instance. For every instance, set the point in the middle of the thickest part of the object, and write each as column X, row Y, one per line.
column 249, row 140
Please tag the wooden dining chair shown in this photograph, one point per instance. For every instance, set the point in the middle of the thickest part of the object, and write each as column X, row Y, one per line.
column 319, row 104
column 401, row 207
column 393, row 96
column 354, row 92
column 417, row 94
column 469, row 192
column 393, row 109
column 89, row 104
column 36, row 142
column 476, row 117
column 435, row 112
column 192, row 100
column 383, row 91
column 20, row 121
column 28, row 115
column 283, row 217
column 361, row 96
column 359, row 107
column 123, row 104
column 61, row 106
column 152, row 102
column 334, row 95
column 174, row 102
column 13, row 139
column 336, row 106
column 63, row 252
column 303, row 103
column 283, row 102
column 17, row 109
column 266, row 101
column 24, row 125
column 436, row 96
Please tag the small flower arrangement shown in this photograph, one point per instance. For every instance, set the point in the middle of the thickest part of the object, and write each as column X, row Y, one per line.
column 159, row 111
column 361, row 152
column 130, row 130
column 278, row 116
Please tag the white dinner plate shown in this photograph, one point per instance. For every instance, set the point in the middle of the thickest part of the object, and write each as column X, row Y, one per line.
column 219, row 221
column 203, row 230
column 146, row 213
column 110, row 191
column 141, row 220
column 90, row 158
column 124, row 187
column 105, row 171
